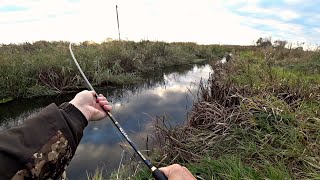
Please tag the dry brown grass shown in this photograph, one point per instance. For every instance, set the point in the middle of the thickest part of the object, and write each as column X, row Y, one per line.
column 264, row 126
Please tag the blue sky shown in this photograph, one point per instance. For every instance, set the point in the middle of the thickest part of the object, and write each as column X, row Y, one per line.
column 201, row 21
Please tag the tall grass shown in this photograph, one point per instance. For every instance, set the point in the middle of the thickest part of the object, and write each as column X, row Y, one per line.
column 254, row 119
column 44, row 68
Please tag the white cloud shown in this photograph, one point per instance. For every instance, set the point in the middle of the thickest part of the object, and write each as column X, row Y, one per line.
column 279, row 29
column 284, row 14
column 287, row 14
column 241, row 2
column 88, row 22
column 204, row 22
column 291, row 2
column 277, row 25
column 316, row 30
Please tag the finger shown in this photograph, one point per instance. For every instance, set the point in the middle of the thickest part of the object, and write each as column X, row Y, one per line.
column 102, row 103
column 165, row 170
column 107, row 107
column 91, row 92
column 101, row 99
column 170, row 169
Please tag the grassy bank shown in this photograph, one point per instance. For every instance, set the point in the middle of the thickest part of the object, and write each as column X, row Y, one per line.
column 255, row 118
column 45, row 68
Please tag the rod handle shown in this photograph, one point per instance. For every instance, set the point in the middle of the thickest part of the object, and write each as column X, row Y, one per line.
column 159, row 175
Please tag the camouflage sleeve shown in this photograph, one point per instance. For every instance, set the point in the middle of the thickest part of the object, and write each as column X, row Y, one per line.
column 43, row 146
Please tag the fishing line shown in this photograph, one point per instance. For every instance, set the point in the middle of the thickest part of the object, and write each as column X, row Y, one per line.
column 156, row 173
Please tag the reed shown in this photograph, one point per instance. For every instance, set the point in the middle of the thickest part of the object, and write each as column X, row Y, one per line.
column 46, row 68
column 253, row 119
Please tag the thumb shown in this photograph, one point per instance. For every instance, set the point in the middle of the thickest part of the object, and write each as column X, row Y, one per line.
column 165, row 170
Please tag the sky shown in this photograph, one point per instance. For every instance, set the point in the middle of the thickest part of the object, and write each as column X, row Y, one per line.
column 239, row 22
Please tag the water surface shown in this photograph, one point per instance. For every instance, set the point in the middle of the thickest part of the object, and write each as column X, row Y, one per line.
column 166, row 93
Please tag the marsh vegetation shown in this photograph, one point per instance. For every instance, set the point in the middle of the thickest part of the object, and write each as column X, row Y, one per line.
column 257, row 117
column 46, row 68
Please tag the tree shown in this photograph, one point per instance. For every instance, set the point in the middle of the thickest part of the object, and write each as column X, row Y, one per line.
column 280, row 43
column 264, row 42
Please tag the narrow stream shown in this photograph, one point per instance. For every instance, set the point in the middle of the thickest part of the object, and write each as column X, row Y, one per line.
column 167, row 93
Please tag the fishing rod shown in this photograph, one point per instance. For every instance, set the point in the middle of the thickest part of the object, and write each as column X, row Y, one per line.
column 118, row 22
column 156, row 173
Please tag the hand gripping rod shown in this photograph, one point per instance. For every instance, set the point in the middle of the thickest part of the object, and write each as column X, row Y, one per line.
column 156, row 173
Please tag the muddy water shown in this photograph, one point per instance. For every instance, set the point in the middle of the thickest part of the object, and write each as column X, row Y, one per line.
column 166, row 93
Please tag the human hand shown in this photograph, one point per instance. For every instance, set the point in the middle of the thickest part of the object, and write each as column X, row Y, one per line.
column 177, row 172
column 90, row 107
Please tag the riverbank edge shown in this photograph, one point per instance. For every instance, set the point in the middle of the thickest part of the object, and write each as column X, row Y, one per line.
column 268, row 111
column 136, row 79
column 46, row 68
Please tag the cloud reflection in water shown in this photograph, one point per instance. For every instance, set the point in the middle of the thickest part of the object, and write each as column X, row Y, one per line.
column 100, row 144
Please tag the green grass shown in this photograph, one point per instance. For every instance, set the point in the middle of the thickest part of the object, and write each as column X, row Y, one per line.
column 254, row 119
column 46, row 68
column 228, row 167
column 5, row 100
column 97, row 175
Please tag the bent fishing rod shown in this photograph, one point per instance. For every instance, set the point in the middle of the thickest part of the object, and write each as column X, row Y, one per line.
column 156, row 173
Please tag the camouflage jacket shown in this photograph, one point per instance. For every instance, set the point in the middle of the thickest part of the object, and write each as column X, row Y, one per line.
column 42, row 147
